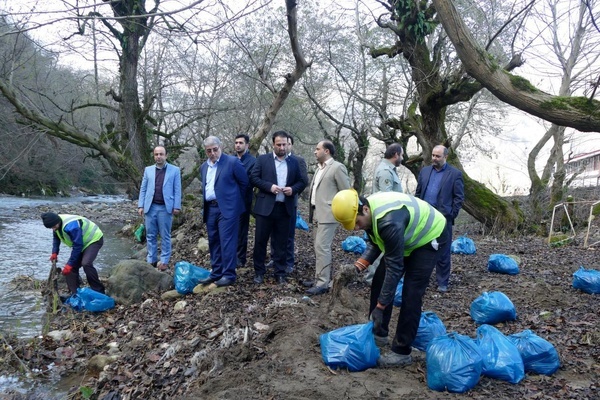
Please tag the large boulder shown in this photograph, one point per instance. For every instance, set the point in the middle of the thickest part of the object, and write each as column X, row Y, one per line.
column 130, row 279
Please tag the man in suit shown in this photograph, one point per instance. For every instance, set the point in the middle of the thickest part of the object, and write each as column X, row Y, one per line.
column 331, row 177
column 279, row 180
column 159, row 200
column 241, row 149
column 441, row 185
column 224, row 181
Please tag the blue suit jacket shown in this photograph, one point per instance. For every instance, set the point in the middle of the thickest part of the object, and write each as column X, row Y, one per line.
column 452, row 190
column 231, row 181
column 171, row 188
column 263, row 176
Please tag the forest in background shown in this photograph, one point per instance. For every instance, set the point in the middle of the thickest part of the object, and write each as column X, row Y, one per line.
column 358, row 74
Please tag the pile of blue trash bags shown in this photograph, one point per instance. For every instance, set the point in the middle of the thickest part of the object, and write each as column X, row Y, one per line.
column 455, row 362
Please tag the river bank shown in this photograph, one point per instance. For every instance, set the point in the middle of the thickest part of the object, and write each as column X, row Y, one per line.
column 254, row 342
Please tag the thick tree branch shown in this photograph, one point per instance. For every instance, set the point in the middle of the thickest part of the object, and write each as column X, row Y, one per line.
column 576, row 112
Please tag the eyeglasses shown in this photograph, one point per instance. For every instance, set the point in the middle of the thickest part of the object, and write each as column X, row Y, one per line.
column 213, row 150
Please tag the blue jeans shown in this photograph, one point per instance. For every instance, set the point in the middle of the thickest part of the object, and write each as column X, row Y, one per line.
column 158, row 222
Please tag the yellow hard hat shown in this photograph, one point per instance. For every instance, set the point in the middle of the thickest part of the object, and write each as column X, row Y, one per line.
column 344, row 207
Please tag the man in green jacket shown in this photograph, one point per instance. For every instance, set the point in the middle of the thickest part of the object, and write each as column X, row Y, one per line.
column 85, row 239
column 408, row 232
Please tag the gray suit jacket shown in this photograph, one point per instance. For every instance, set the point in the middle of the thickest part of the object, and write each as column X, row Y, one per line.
column 335, row 178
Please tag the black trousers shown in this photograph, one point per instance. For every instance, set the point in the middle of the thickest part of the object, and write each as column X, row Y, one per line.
column 417, row 271
column 86, row 260
column 277, row 227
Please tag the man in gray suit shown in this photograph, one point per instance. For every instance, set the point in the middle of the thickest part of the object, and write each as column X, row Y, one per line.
column 159, row 200
column 330, row 177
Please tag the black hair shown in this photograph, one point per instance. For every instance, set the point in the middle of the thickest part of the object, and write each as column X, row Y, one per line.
column 392, row 149
column 244, row 136
column 282, row 134
column 291, row 138
column 327, row 144
column 362, row 201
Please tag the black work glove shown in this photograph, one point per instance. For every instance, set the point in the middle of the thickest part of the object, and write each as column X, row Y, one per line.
column 377, row 318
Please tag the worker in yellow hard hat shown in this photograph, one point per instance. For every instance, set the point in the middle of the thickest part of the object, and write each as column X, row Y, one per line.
column 408, row 231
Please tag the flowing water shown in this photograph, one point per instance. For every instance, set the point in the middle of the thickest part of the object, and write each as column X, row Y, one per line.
column 25, row 246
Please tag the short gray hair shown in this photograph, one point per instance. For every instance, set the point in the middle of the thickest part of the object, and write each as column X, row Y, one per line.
column 212, row 140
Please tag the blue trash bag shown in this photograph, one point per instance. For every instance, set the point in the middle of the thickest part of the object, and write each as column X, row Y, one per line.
column 492, row 308
column 502, row 264
column 354, row 244
column 398, row 295
column 539, row 355
column 587, row 280
column 501, row 358
column 430, row 327
column 463, row 245
column 75, row 302
column 89, row 300
column 453, row 363
column 351, row 347
column 187, row 275
column 300, row 223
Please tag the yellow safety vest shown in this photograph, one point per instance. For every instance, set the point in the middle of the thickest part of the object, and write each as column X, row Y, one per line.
column 91, row 232
column 425, row 224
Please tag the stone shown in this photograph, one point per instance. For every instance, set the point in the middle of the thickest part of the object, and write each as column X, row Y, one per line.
column 130, row 279
column 97, row 363
column 180, row 305
column 203, row 245
column 171, row 295
column 58, row 336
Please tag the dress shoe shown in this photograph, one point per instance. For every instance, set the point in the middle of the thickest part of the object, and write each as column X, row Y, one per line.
column 281, row 280
column 225, row 282
column 317, row 290
column 154, row 264
column 206, row 281
column 258, row 279
column 162, row 266
column 308, row 283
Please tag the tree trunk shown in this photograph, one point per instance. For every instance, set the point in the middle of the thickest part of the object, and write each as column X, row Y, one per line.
column 576, row 112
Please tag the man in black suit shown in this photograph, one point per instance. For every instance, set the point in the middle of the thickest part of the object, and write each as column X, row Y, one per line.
column 279, row 179
column 441, row 185
column 241, row 150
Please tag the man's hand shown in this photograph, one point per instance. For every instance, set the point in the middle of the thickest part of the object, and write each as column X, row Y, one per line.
column 53, row 257
column 361, row 264
column 67, row 269
column 377, row 318
column 140, row 211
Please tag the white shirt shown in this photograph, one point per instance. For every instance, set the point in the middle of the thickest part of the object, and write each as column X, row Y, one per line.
column 282, row 172
column 209, row 187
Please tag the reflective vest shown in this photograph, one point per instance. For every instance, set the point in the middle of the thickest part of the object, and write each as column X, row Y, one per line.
column 90, row 231
column 425, row 224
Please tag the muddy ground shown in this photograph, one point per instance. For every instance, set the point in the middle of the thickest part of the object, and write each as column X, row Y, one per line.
column 262, row 342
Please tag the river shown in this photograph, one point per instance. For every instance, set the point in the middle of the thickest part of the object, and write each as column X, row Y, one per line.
column 25, row 246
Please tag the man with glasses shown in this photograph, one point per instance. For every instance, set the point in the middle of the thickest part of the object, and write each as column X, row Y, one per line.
column 279, row 179
column 224, row 181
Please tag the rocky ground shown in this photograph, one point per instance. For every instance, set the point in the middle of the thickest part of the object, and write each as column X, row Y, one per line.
column 262, row 342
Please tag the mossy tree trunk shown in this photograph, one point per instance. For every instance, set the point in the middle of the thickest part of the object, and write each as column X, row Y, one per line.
column 436, row 90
